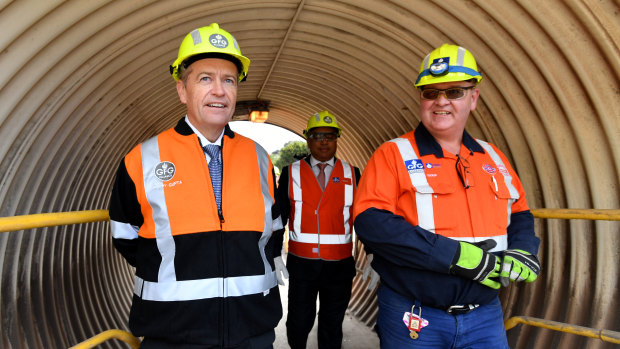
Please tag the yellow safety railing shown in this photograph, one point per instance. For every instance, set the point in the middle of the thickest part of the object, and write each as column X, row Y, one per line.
column 569, row 213
column 590, row 214
column 107, row 335
column 41, row 220
column 605, row 335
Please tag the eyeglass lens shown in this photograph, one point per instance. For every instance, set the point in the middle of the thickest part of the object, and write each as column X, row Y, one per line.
column 321, row 136
column 450, row 93
column 462, row 169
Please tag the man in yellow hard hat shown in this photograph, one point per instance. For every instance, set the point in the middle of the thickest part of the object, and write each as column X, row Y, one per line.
column 315, row 195
column 193, row 210
column 446, row 218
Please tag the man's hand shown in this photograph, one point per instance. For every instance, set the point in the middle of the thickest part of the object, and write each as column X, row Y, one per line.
column 281, row 271
column 476, row 264
column 518, row 265
column 368, row 270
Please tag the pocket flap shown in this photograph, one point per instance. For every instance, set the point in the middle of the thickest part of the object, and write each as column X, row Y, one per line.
column 502, row 192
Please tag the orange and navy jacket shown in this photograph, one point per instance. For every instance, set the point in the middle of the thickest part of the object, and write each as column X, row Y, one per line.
column 201, row 278
column 319, row 221
column 412, row 208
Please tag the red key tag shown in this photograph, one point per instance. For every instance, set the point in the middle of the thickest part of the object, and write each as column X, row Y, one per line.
column 414, row 323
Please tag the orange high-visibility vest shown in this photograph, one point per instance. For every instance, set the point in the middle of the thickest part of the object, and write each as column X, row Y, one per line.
column 320, row 224
column 175, row 193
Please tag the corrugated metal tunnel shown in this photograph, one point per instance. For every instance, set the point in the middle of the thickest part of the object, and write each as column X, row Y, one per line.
column 82, row 82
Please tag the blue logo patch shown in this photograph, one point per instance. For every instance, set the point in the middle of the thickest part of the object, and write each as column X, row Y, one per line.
column 414, row 165
column 440, row 66
column 219, row 41
column 336, row 179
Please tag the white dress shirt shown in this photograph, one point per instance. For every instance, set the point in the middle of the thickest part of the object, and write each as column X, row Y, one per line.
column 204, row 141
column 328, row 169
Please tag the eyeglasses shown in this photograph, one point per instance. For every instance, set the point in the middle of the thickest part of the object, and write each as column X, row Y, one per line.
column 462, row 169
column 450, row 93
column 323, row 136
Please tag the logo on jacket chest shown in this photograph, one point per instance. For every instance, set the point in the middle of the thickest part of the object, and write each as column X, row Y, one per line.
column 414, row 166
column 164, row 171
column 341, row 180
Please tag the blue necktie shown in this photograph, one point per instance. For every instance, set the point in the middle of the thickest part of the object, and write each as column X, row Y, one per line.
column 215, row 169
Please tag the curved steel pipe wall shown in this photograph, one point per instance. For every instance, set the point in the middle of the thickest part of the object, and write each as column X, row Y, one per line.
column 84, row 81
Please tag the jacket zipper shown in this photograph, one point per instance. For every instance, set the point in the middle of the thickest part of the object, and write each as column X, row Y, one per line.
column 222, row 251
column 318, row 224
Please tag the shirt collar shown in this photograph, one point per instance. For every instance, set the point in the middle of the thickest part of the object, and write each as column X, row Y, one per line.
column 428, row 145
column 203, row 140
column 314, row 161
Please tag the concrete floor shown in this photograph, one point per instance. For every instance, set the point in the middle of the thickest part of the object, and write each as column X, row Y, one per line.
column 356, row 334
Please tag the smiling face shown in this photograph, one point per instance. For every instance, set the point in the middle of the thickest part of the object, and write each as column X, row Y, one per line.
column 210, row 93
column 445, row 118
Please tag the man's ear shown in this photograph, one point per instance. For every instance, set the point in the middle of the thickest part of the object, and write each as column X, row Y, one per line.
column 474, row 98
column 181, row 91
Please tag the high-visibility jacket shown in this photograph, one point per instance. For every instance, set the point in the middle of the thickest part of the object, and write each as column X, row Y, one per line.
column 197, row 273
column 319, row 221
column 412, row 205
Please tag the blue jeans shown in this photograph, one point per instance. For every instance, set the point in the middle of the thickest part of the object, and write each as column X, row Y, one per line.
column 481, row 328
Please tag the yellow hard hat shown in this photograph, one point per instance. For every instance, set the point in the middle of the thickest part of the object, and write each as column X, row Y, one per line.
column 448, row 63
column 211, row 41
column 322, row 119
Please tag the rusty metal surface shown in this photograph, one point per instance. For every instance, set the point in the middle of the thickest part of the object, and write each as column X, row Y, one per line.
column 84, row 81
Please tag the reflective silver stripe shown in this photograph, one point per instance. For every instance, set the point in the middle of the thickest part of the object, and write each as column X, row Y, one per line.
column 460, row 56
column 348, row 201
column 423, row 193
column 277, row 223
column 514, row 193
column 326, row 239
column 297, row 198
column 188, row 290
column 196, row 38
column 253, row 284
column 502, row 241
column 426, row 59
column 154, row 190
column 123, row 230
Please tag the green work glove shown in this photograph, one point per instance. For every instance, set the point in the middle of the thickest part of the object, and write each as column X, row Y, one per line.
column 518, row 265
column 476, row 264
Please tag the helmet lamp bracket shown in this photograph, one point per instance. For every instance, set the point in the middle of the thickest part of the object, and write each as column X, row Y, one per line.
column 440, row 66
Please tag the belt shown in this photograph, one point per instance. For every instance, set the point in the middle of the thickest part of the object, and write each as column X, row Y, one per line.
column 461, row 309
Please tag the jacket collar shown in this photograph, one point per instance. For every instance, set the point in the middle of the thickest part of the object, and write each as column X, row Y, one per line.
column 428, row 145
column 309, row 162
column 184, row 129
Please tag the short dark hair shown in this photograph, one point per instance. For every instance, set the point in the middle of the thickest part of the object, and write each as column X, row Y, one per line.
column 186, row 63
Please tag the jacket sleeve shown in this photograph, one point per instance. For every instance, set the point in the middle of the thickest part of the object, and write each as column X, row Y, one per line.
column 283, row 205
column 125, row 215
column 521, row 232
column 389, row 235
